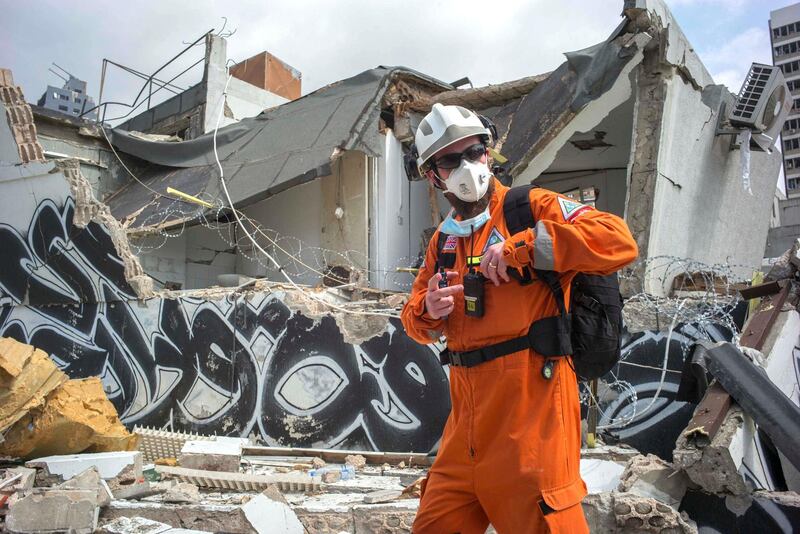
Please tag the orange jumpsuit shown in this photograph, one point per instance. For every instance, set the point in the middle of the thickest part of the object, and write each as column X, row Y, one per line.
column 511, row 445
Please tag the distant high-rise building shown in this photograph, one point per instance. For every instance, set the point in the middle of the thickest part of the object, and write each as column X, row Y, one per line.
column 71, row 99
column 784, row 24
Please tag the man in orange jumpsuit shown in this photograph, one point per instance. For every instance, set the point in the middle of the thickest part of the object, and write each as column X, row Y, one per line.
column 510, row 451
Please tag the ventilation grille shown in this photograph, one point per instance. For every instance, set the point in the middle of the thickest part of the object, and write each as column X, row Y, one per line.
column 752, row 91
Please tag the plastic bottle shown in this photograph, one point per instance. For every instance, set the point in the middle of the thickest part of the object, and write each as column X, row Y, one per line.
column 347, row 471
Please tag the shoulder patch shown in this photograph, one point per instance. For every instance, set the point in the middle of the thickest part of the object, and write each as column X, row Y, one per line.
column 450, row 243
column 571, row 209
column 494, row 238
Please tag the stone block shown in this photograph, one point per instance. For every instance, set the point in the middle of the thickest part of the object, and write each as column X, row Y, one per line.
column 217, row 455
column 108, row 464
column 44, row 510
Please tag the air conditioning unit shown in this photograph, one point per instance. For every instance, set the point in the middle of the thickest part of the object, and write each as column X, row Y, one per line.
column 762, row 105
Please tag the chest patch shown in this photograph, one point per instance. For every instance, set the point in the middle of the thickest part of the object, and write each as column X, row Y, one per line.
column 571, row 209
column 494, row 238
column 450, row 243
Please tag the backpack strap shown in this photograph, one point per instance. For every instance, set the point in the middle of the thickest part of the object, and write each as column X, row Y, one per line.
column 443, row 259
column 517, row 209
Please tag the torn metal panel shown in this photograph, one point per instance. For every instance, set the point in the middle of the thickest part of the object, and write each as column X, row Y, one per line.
column 282, row 147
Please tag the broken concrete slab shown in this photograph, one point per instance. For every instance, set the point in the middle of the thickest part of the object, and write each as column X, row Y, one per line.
column 208, row 517
column 627, row 513
column 268, row 512
column 715, row 467
column 650, row 476
column 108, row 464
column 216, row 455
column 48, row 510
column 241, row 481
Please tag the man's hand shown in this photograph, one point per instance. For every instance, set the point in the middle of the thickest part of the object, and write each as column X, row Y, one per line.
column 493, row 266
column 439, row 302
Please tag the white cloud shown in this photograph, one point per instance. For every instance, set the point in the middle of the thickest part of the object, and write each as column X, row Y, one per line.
column 327, row 41
column 729, row 62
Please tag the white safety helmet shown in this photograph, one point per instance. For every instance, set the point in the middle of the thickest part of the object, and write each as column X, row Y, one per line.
column 443, row 126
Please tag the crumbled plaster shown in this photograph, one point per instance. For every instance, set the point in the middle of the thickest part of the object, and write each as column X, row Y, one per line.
column 356, row 328
column 89, row 209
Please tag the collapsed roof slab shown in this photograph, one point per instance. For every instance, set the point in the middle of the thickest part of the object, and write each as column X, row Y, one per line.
column 282, row 147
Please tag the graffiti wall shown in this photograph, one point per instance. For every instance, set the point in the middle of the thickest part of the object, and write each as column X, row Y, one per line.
column 246, row 364
column 236, row 365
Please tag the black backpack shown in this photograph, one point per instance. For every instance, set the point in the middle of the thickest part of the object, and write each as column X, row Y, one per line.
column 592, row 329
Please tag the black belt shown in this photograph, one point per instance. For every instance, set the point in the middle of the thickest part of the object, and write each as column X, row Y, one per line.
column 549, row 337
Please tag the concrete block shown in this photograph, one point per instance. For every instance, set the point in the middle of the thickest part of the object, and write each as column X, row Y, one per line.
column 269, row 513
column 650, row 476
column 47, row 510
column 108, row 464
column 182, row 492
column 385, row 518
column 217, row 455
column 129, row 483
column 89, row 480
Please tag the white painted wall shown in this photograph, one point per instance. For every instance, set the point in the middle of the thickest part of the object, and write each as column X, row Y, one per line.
column 296, row 214
column 401, row 212
column 204, row 245
column 701, row 210
column 611, row 185
column 163, row 258
column 244, row 99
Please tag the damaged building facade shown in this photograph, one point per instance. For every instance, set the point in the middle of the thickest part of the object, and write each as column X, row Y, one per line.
column 113, row 274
